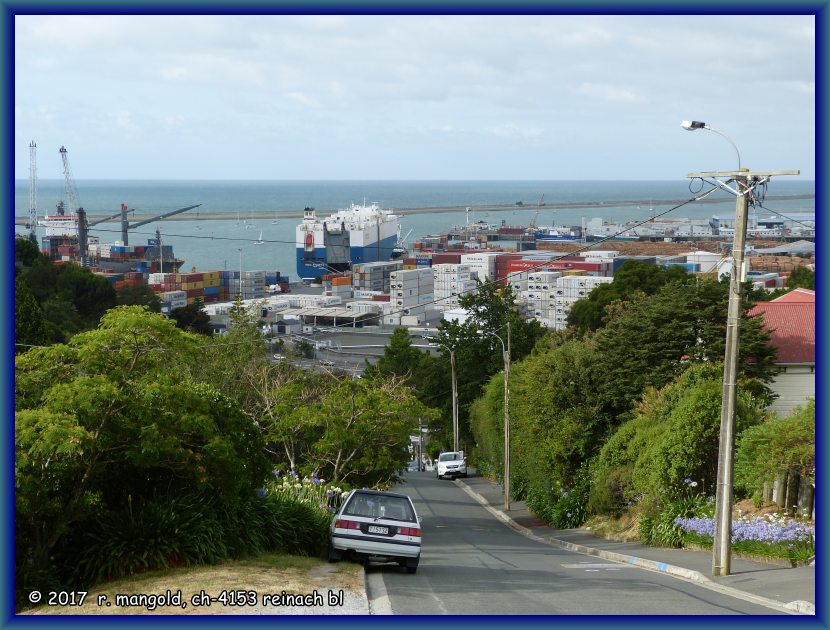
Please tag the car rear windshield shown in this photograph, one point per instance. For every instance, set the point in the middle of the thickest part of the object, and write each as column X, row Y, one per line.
column 449, row 457
column 379, row 505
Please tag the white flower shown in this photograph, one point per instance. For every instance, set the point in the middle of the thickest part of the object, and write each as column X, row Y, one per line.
column 693, row 484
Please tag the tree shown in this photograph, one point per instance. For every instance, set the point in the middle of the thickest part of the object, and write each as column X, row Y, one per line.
column 479, row 356
column 30, row 327
column 673, row 435
column 116, row 413
column 72, row 297
column 364, row 427
column 634, row 278
column 193, row 319
column 802, row 277
column 777, row 445
column 139, row 295
column 26, row 252
column 652, row 340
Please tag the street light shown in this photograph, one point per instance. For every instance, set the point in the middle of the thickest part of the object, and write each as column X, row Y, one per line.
column 693, row 125
column 722, row 540
column 451, row 350
column 506, row 356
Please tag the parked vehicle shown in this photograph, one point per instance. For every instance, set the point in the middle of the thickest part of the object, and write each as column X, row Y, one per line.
column 376, row 526
column 451, row 464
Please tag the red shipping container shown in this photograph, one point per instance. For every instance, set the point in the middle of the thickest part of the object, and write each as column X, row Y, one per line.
column 446, row 259
column 380, row 298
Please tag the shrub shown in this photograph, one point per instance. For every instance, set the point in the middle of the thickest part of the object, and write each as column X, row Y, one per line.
column 776, row 445
column 150, row 535
column 561, row 507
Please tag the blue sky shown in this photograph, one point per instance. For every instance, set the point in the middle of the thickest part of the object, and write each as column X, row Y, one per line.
column 412, row 97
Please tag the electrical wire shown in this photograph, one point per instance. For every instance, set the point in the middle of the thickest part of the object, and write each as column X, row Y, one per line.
column 497, row 281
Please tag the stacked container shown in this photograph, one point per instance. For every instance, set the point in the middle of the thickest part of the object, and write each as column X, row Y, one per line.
column 451, row 281
column 411, row 290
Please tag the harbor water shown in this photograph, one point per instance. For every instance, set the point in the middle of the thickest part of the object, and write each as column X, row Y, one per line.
column 256, row 207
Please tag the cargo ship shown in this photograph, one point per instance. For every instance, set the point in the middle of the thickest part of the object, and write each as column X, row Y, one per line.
column 359, row 234
column 62, row 241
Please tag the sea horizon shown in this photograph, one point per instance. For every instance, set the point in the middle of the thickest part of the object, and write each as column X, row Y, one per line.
column 259, row 206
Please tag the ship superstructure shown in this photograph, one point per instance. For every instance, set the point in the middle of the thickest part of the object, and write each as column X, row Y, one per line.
column 359, row 234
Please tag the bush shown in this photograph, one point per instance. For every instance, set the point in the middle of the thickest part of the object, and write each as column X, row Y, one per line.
column 659, row 525
column 674, row 435
column 562, row 508
column 151, row 535
column 776, row 445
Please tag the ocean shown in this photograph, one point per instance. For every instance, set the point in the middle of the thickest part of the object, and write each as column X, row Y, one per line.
column 207, row 245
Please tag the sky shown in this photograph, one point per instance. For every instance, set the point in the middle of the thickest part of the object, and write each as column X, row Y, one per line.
column 470, row 97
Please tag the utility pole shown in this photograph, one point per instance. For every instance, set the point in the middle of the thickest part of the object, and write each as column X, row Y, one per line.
column 745, row 184
column 507, row 422
column 454, row 402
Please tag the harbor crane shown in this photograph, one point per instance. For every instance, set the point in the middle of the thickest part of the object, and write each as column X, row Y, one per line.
column 71, row 195
column 32, row 188
column 126, row 226
column 532, row 226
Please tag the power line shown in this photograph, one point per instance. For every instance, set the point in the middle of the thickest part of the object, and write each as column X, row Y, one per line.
column 494, row 282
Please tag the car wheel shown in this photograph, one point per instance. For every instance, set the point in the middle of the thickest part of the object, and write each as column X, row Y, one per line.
column 334, row 554
column 412, row 565
column 439, row 476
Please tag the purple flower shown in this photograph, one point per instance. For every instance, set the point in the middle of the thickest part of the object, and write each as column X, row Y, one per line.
column 292, row 473
column 329, row 494
column 276, row 472
column 260, row 492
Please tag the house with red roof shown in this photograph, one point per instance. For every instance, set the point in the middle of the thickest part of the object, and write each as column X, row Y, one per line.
column 791, row 320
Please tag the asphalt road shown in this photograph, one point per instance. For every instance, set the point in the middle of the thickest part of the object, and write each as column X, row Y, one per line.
column 473, row 564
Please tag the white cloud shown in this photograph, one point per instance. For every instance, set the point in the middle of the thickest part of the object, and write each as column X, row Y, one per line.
column 320, row 80
column 511, row 130
column 612, row 93
column 303, row 99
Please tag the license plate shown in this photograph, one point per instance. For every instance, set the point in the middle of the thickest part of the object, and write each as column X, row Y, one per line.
column 375, row 529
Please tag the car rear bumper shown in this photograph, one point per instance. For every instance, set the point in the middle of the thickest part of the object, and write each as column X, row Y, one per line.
column 375, row 547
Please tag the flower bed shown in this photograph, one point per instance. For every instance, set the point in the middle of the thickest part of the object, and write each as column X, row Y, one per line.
column 772, row 536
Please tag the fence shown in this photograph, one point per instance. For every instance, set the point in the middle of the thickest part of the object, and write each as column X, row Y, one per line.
column 792, row 492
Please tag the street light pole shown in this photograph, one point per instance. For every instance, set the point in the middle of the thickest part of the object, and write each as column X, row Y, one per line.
column 451, row 350
column 506, row 357
column 745, row 183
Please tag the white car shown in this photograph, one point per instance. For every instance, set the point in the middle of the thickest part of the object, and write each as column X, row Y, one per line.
column 451, row 464
column 376, row 526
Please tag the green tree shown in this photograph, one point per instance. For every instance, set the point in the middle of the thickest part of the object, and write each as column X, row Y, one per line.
column 673, row 435
column 364, row 427
column 652, row 340
column 634, row 278
column 139, row 295
column 193, row 319
column 30, row 327
column 777, row 445
column 72, row 297
column 26, row 252
column 802, row 277
column 115, row 413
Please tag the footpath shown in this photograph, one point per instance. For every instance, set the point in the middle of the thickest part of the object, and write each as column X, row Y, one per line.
column 792, row 589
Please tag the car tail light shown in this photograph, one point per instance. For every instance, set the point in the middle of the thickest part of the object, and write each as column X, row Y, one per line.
column 342, row 523
column 409, row 531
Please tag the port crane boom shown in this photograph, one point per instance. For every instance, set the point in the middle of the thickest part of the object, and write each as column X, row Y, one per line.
column 125, row 226
column 72, row 197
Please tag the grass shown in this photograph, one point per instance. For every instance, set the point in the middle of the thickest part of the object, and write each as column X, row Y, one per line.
column 269, row 573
